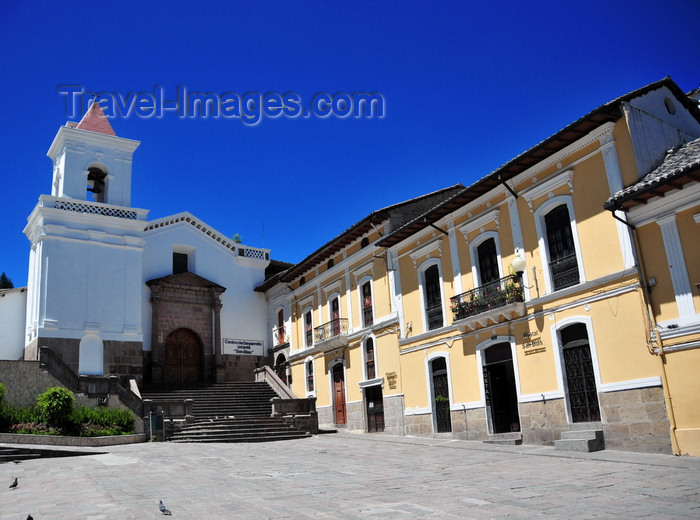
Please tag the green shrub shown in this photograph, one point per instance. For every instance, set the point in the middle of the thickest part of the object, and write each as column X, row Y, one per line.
column 3, row 391
column 56, row 405
column 102, row 421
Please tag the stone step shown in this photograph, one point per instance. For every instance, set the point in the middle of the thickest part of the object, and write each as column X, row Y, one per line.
column 511, row 438
column 581, row 440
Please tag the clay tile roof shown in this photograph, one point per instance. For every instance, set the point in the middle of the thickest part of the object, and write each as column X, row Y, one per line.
column 95, row 120
column 680, row 166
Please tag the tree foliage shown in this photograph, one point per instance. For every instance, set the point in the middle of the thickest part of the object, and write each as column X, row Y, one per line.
column 5, row 282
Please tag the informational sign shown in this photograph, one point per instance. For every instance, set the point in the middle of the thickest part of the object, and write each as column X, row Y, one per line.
column 248, row 347
column 532, row 344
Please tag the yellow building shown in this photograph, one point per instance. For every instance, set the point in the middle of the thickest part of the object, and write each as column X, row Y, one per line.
column 335, row 323
column 508, row 311
column 663, row 209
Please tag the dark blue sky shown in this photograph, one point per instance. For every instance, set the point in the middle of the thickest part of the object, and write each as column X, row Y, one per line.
column 467, row 87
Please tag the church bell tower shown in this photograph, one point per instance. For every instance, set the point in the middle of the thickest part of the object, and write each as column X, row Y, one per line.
column 85, row 266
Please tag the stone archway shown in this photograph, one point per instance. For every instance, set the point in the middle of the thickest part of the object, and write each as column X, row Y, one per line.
column 185, row 329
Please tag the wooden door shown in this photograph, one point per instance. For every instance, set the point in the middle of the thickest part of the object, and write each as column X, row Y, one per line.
column 339, row 394
column 375, row 409
column 182, row 360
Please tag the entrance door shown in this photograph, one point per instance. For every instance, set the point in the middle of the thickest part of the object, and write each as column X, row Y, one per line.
column 441, row 396
column 580, row 378
column 375, row 409
column 182, row 360
column 500, row 389
column 339, row 394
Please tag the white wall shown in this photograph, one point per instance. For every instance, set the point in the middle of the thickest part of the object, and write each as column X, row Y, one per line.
column 243, row 312
column 13, row 304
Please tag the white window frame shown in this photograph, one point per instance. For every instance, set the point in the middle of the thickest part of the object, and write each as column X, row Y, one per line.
column 559, row 353
column 364, row 358
column 423, row 298
column 540, row 214
column 473, row 253
column 429, row 383
column 360, row 284
column 306, row 310
column 309, row 361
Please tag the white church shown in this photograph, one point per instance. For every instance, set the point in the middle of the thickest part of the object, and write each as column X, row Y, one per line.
column 163, row 301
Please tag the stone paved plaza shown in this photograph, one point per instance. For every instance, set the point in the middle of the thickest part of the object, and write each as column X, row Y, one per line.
column 346, row 476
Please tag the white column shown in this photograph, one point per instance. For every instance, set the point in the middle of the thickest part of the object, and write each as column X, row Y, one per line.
column 676, row 265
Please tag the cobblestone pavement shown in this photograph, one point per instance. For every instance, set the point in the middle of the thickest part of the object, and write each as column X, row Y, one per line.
column 348, row 476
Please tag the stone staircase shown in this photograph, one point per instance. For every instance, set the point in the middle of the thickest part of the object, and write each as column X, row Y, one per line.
column 586, row 440
column 227, row 412
column 512, row 439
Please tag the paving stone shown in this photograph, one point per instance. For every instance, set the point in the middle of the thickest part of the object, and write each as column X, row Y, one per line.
column 352, row 476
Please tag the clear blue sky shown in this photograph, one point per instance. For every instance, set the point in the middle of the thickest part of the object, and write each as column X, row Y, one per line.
column 467, row 87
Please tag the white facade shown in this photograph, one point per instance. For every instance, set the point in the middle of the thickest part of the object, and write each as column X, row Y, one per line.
column 13, row 303
column 92, row 254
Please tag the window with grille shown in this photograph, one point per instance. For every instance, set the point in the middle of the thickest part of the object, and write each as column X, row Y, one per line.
column 563, row 265
column 433, row 297
column 369, row 358
column 308, row 329
column 367, row 314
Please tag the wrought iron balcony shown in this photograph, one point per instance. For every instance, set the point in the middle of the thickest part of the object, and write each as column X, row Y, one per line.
column 564, row 272
column 279, row 335
column 489, row 304
column 332, row 335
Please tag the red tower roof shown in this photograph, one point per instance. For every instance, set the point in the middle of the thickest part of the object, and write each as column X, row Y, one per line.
column 95, row 120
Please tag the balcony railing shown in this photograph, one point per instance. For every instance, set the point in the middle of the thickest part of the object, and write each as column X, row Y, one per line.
column 332, row 335
column 491, row 301
column 564, row 272
column 434, row 314
column 279, row 335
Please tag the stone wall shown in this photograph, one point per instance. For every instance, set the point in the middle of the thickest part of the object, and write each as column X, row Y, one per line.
column 635, row 420
column 541, row 422
column 239, row 367
column 355, row 416
column 120, row 358
column 469, row 424
column 326, row 419
column 419, row 425
column 23, row 381
column 393, row 415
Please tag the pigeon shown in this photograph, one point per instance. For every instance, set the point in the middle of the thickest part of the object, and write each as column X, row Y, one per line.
column 30, row 517
column 14, row 484
column 17, row 461
column 164, row 509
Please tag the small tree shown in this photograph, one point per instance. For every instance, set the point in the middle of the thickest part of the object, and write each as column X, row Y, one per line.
column 5, row 282
column 56, row 405
column 237, row 238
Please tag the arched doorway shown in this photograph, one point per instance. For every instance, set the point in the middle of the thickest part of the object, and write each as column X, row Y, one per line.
column 500, row 390
column 281, row 366
column 441, row 395
column 339, row 394
column 582, row 394
column 183, row 357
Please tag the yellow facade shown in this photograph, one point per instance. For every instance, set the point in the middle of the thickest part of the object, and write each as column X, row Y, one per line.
column 514, row 310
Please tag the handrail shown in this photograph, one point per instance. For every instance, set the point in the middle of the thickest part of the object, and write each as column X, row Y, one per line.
column 267, row 375
column 333, row 328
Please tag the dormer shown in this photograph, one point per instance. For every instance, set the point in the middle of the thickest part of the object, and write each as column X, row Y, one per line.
column 90, row 162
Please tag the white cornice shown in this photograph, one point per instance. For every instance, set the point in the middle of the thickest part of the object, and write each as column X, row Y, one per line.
column 548, row 187
column 427, row 250
column 480, row 222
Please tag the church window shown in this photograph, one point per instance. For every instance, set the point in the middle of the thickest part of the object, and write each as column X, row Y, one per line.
column 180, row 261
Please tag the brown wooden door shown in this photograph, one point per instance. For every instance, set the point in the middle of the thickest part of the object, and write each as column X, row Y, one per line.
column 182, row 360
column 339, row 394
column 375, row 409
